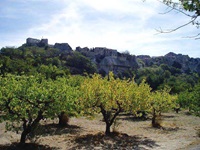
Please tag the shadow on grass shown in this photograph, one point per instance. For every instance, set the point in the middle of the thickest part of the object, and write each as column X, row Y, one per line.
column 27, row 146
column 114, row 141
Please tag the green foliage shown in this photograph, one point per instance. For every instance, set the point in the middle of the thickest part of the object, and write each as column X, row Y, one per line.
column 51, row 71
column 111, row 96
column 160, row 76
column 80, row 64
column 106, row 95
column 184, row 99
column 161, row 101
column 139, row 97
column 191, row 99
column 195, row 98
column 179, row 83
column 28, row 99
column 191, row 5
column 152, row 75
column 29, row 60
column 188, row 5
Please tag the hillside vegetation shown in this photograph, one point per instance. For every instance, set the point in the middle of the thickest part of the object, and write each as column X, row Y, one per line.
column 40, row 83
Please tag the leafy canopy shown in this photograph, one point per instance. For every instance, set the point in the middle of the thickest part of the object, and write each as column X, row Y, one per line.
column 28, row 99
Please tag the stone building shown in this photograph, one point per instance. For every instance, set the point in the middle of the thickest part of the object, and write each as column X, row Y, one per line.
column 36, row 42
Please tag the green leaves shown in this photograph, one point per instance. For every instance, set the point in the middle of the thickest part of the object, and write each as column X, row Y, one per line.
column 188, row 5
column 191, row 5
column 162, row 101
column 28, row 99
column 23, row 97
column 191, row 99
column 112, row 93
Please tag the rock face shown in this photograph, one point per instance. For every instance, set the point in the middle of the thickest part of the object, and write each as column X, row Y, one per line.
column 63, row 47
column 182, row 62
column 109, row 59
column 36, row 42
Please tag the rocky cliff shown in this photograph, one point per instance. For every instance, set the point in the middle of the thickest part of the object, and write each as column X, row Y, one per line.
column 182, row 62
column 36, row 42
column 111, row 60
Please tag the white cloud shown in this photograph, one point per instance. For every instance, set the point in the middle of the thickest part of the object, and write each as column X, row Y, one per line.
column 73, row 21
column 118, row 24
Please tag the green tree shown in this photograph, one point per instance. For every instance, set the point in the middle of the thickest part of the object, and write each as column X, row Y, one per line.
column 154, row 76
column 74, row 82
column 184, row 99
column 51, row 71
column 27, row 100
column 80, row 64
column 191, row 99
column 110, row 96
column 179, row 83
column 161, row 101
column 195, row 98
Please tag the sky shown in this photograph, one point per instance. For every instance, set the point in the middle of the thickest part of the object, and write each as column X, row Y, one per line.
column 124, row 25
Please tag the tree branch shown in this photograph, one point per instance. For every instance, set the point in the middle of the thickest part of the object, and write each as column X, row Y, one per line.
column 177, row 28
column 179, row 8
column 167, row 11
column 173, row 7
column 196, row 37
column 116, row 113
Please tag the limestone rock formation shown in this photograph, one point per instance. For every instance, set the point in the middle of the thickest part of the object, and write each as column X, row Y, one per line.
column 36, row 42
column 109, row 59
column 63, row 47
column 182, row 62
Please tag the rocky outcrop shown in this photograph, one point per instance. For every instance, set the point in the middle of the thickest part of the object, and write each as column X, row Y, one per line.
column 63, row 47
column 44, row 43
column 109, row 59
column 36, row 42
column 179, row 61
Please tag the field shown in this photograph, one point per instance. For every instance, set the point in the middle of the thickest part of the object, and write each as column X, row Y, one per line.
column 179, row 132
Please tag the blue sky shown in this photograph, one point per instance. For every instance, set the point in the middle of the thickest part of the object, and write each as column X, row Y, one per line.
column 118, row 24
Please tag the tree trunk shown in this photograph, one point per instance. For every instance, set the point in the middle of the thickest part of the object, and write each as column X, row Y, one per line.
column 29, row 126
column 154, row 118
column 108, row 128
column 177, row 110
column 153, row 121
column 23, row 137
column 63, row 119
column 109, row 118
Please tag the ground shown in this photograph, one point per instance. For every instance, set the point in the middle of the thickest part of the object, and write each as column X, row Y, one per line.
column 178, row 132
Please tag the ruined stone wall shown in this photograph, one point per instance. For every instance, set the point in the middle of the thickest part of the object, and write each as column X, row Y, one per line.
column 63, row 47
column 36, row 42
column 32, row 42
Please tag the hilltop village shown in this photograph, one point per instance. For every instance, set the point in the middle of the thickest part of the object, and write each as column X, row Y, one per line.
column 111, row 60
